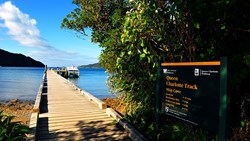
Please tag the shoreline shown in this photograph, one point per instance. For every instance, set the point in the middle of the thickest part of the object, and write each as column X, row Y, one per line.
column 116, row 104
column 21, row 109
column 17, row 100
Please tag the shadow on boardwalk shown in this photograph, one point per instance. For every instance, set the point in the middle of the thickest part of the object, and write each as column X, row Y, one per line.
column 94, row 130
column 74, row 124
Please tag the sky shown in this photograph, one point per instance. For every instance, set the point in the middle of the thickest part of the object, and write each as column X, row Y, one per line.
column 33, row 28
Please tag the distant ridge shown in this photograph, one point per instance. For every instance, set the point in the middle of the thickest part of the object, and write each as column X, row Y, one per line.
column 8, row 59
column 95, row 65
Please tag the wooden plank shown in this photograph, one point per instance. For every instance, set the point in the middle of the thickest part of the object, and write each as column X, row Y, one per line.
column 69, row 125
column 69, row 115
column 63, row 116
column 57, row 126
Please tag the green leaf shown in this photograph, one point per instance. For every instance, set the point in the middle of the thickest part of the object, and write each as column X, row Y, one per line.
column 154, row 65
column 210, row 50
column 142, row 56
column 159, row 39
column 247, row 59
column 149, row 59
column 145, row 51
column 223, row 27
column 122, row 54
column 3, row 132
column 18, row 138
column 202, row 56
column 142, row 43
column 197, row 25
column 243, row 123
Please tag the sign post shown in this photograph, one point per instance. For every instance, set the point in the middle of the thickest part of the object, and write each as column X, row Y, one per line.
column 195, row 92
column 223, row 99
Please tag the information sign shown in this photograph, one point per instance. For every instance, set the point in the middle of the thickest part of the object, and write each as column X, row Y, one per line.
column 192, row 92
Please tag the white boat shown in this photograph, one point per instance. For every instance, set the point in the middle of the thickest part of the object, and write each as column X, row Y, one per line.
column 73, row 71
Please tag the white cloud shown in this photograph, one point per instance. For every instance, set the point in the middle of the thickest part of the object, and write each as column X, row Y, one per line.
column 20, row 26
column 55, row 57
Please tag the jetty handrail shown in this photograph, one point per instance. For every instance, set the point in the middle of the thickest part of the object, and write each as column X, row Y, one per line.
column 100, row 103
column 97, row 101
column 133, row 133
column 36, row 108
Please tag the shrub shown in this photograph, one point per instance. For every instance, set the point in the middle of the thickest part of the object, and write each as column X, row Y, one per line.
column 10, row 130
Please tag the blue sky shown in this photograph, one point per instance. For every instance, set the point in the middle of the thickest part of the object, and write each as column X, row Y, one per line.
column 32, row 28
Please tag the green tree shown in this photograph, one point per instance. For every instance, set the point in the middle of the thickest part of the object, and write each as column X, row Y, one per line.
column 215, row 29
column 136, row 34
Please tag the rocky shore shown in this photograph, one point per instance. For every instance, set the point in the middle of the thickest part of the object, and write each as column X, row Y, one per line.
column 20, row 109
column 115, row 104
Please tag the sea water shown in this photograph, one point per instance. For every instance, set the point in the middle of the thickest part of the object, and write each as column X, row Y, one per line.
column 93, row 80
column 20, row 82
column 23, row 82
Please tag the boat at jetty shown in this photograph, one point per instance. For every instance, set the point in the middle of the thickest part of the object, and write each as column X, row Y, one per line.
column 73, row 71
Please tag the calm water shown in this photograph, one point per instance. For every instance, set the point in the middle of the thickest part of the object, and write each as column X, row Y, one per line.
column 23, row 82
column 20, row 82
column 93, row 81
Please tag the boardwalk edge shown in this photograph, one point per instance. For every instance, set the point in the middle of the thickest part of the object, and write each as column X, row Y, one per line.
column 92, row 98
column 133, row 133
column 36, row 109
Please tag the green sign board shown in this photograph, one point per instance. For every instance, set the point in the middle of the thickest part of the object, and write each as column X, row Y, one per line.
column 192, row 92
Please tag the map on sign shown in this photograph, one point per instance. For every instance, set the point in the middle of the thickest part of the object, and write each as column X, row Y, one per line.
column 192, row 92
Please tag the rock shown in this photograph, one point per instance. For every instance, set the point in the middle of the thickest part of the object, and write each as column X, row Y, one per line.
column 9, row 104
column 21, row 110
column 28, row 107
column 14, row 100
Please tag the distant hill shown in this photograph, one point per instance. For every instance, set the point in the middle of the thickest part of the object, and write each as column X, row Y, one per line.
column 95, row 65
column 17, row 60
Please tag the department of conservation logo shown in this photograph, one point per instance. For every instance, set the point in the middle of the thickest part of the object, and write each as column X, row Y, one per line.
column 169, row 71
column 196, row 72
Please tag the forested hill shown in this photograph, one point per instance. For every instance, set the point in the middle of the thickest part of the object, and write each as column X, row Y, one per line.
column 17, row 60
column 95, row 65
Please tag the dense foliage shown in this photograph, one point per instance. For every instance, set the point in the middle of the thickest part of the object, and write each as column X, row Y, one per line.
column 137, row 34
column 12, row 131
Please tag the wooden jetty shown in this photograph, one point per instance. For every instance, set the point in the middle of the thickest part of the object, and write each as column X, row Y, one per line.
column 63, row 111
column 63, row 72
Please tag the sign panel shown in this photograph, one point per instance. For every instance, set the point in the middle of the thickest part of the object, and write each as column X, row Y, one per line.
column 192, row 92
